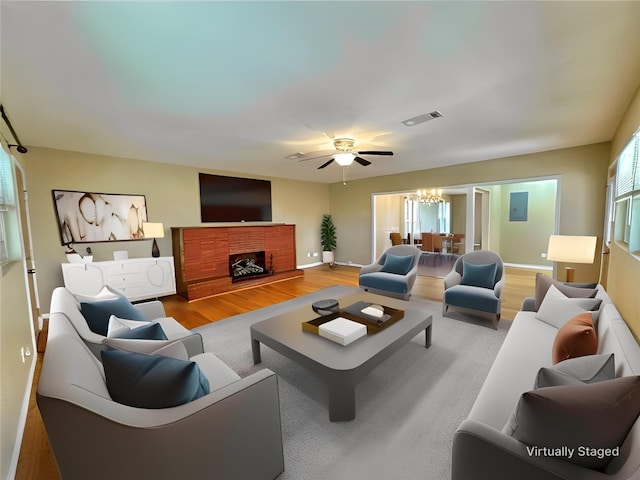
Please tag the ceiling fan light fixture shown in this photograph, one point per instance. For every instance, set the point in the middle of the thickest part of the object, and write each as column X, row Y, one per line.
column 344, row 159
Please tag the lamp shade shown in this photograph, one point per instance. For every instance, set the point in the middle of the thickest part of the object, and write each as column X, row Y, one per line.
column 571, row 248
column 152, row 230
column 344, row 159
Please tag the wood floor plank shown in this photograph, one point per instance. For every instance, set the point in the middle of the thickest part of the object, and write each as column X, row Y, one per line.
column 36, row 460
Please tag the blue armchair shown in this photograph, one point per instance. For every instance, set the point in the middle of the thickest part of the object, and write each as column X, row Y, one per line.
column 394, row 273
column 475, row 283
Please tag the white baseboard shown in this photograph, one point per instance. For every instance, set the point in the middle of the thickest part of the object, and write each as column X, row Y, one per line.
column 316, row 264
column 309, row 265
column 349, row 264
column 524, row 265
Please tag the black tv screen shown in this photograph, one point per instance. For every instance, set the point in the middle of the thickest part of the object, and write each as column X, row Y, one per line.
column 232, row 199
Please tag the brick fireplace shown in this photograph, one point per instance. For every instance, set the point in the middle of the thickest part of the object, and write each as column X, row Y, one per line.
column 204, row 256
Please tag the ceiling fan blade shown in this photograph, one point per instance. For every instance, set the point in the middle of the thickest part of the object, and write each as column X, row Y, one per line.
column 303, row 157
column 375, row 152
column 362, row 161
column 325, row 164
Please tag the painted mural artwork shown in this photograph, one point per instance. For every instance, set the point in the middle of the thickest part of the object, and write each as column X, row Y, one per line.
column 99, row 217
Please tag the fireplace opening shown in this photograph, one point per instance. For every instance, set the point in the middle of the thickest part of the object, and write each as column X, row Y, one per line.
column 245, row 265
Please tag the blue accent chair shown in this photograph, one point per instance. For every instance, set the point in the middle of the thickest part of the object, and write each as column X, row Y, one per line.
column 475, row 283
column 393, row 274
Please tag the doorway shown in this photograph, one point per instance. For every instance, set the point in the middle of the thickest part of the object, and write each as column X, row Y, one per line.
column 486, row 223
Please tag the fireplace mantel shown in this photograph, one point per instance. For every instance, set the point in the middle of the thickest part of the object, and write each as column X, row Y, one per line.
column 202, row 256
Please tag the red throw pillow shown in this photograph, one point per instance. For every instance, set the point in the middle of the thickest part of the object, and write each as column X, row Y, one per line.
column 575, row 338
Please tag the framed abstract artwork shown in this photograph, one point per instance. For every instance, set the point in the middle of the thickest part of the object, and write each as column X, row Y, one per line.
column 518, row 206
column 85, row 217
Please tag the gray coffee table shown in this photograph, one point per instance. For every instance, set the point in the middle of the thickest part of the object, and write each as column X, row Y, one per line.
column 341, row 367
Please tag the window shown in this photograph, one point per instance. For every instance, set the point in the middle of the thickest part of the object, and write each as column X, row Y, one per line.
column 7, row 201
column 411, row 218
column 444, row 217
column 626, row 206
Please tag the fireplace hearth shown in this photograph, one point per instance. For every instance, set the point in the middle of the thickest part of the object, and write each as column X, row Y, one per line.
column 246, row 265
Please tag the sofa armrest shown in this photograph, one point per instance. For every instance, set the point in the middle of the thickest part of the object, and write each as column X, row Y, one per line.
column 234, row 432
column 498, row 287
column 194, row 344
column 374, row 267
column 452, row 279
column 581, row 285
column 528, row 305
column 481, row 451
column 151, row 310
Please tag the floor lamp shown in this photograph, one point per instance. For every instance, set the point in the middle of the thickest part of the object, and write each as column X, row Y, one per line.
column 571, row 249
column 153, row 230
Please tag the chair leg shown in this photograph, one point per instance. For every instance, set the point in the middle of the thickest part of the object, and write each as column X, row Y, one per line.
column 445, row 307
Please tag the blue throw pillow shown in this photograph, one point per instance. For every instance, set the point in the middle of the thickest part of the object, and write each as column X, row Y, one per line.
column 149, row 381
column 97, row 314
column 478, row 275
column 153, row 331
column 397, row 264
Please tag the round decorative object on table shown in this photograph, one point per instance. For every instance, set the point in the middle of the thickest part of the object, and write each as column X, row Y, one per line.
column 325, row 307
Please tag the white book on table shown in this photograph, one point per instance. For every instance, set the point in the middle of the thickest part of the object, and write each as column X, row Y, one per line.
column 342, row 330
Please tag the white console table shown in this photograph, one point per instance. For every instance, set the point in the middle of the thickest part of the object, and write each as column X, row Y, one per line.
column 135, row 278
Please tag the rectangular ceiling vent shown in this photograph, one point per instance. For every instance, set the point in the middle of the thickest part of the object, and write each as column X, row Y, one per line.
column 425, row 117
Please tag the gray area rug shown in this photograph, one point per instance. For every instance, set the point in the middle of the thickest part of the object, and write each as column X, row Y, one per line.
column 407, row 409
column 436, row 264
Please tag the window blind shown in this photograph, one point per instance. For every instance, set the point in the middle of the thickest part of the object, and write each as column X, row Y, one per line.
column 627, row 168
column 7, row 197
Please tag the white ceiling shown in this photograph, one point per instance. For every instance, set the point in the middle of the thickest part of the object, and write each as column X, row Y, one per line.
column 239, row 86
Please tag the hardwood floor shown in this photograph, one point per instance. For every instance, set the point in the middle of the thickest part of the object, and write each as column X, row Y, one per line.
column 36, row 460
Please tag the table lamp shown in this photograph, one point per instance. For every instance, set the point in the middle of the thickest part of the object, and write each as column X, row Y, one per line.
column 571, row 249
column 153, row 230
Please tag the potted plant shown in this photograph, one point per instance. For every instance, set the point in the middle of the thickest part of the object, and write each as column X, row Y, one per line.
column 328, row 239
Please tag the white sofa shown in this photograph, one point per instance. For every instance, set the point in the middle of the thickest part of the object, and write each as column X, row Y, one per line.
column 482, row 451
column 64, row 303
column 234, row 432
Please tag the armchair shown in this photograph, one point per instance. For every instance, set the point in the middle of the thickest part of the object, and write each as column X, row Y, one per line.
column 394, row 273
column 475, row 283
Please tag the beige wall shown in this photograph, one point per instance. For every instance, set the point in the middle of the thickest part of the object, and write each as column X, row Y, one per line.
column 583, row 172
column 172, row 195
column 524, row 242
column 458, row 213
column 624, row 269
column 389, row 215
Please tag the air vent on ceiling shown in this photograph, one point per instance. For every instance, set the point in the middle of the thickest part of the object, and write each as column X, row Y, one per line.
column 425, row 117
column 296, row 156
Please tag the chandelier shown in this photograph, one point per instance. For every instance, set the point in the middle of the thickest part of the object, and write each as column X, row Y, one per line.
column 432, row 197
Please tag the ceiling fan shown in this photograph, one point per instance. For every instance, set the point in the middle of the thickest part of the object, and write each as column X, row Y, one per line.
column 343, row 154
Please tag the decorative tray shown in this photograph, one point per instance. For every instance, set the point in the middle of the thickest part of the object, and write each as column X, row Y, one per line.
column 353, row 312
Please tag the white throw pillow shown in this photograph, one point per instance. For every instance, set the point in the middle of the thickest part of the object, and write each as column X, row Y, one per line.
column 106, row 293
column 557, row 309
column 136, row 345
column 174, row 349
column 118, row 326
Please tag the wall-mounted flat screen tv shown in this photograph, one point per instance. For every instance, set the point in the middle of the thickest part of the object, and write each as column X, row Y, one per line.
column 233, row 199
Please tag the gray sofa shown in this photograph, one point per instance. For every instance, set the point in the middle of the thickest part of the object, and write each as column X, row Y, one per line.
column 234, row 432
column 480, row 448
